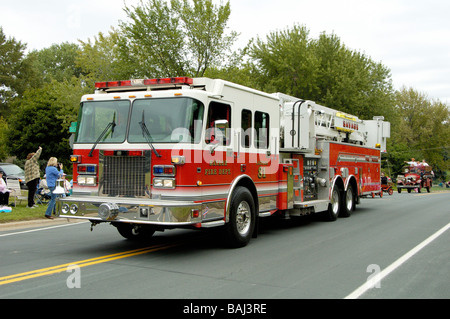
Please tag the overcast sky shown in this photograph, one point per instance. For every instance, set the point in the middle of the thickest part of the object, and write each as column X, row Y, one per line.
column 410, row 37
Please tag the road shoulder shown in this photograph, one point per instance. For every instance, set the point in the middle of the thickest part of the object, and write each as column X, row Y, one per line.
column 36, row 223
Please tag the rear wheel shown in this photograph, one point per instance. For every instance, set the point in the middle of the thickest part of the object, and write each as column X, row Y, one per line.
column 349, row 202
column 242, row 218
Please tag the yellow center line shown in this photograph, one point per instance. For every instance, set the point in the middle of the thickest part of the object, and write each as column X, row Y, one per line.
column 81, row 263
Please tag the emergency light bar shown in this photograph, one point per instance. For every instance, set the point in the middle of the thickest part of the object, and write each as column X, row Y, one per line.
column 144, row 82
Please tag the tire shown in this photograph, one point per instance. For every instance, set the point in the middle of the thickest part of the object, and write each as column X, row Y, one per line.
column 334, row 206
column 348, row 203
column 242, row 219
column 134, row 232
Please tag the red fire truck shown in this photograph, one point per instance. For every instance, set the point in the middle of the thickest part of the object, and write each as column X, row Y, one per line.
column 156, row 154
column 415, row 177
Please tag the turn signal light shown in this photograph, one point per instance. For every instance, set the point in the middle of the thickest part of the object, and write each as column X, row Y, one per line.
column 75, row 158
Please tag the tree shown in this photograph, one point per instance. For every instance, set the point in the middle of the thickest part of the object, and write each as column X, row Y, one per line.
column 176, row 39
column 42, row 117
column 14, row 71
column 322, row 70
column 3, row 138
column 285, row 63
column 56, row 62
column 101, row 59
column 423, row 131
column 350, row 81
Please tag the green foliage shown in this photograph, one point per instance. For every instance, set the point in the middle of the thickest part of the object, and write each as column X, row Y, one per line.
column 21, row 212
column 322, row 70
column 234, row 69
column 422, row 131
column 14, row 71
column 56, row 62
column 101, row 58
column 284, row 62
column 3, row 138
column 176, row 39
column 42, row 119
column 34, row 123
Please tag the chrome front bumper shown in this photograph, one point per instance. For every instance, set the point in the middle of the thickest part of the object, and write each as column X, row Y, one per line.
column 141, row 211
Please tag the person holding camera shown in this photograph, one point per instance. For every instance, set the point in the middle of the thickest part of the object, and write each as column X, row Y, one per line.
column 53, row 171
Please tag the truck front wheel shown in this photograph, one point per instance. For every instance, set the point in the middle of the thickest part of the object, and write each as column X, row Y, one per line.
column 334, row 206
column 242, row 218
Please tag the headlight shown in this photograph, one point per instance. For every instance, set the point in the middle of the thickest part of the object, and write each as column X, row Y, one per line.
column 65, row 208
column 74, row 209
column 164, row 182
column 169, row 183
column 87, row 180
column 157, row 182
column 90, row 180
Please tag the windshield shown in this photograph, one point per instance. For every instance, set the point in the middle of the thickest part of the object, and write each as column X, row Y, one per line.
column 95, row 117
column 167, row 120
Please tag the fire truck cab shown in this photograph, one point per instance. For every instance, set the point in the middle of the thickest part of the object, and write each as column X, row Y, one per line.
column 156, row 154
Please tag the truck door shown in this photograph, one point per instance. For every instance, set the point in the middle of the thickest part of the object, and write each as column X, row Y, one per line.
column 218, row 151
column 262, row 143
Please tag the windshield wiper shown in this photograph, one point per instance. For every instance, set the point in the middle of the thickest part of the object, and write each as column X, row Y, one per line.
column 111, row 125
column 147, row 134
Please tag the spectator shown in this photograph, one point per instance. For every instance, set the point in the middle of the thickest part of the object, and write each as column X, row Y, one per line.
column 32, row 175
column 4, row 194
column 424, row 163
column 53, row 171
column 412, row 162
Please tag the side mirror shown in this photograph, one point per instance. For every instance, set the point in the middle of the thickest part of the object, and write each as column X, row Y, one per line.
column 73, row 127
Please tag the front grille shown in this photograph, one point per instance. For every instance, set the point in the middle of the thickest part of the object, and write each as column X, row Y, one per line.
column 124, row 176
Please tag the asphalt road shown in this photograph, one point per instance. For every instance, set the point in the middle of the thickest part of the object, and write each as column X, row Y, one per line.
column 386, row 239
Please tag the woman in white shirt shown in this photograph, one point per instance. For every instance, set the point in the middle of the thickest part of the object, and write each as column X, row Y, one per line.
column 4, row 193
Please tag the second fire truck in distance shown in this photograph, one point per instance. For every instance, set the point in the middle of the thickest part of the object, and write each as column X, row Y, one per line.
column 156, row 154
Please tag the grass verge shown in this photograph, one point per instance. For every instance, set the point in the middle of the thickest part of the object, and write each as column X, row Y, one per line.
column 22, row 213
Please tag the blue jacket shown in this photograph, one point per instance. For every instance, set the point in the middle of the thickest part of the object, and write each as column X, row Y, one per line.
column 52, row 174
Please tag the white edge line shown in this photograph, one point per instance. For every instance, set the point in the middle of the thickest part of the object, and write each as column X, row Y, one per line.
column 39, row 229
column 368, row 285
